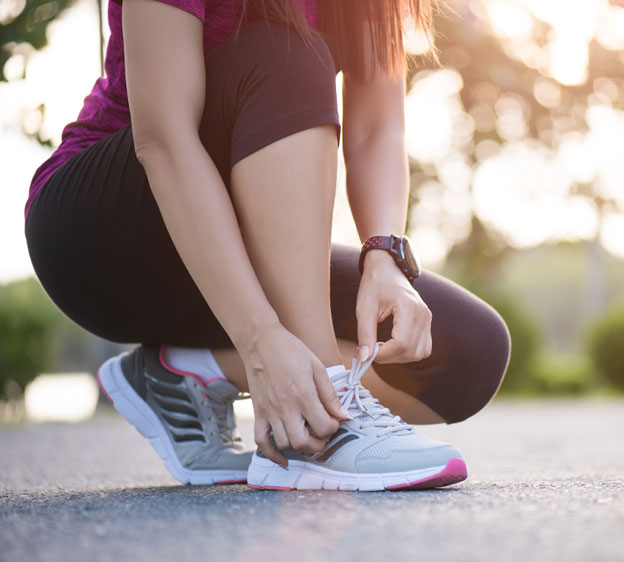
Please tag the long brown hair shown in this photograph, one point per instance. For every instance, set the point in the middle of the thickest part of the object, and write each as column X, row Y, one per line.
column 343, row 23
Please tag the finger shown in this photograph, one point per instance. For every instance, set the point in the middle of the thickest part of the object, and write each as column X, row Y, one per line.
column 404, row 338
column 321, row 424
column 423, row 350
column 328, row 397
column 424, row 343
column 300, row 438
column 262, row 436
column 280, row 437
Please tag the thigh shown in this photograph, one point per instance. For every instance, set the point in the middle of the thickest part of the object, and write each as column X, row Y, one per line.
column 471, row 342
column 103, row 254
column 96, row 237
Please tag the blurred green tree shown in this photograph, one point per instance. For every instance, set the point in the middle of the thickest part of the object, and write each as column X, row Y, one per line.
column 23, row 31
column 606, row 346
column 26, row 325
column 508, row 95
column 23, row 27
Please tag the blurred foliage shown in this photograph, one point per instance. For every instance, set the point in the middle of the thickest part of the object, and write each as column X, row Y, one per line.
column 536, row 371
column 26, row 325
column 508, row 96
column 36, row 337
column 23, row 27
column 606, row 346
column 23, row 31
column 561, row 375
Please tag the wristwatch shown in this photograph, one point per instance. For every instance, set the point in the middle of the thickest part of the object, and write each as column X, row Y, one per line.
column 400, row 248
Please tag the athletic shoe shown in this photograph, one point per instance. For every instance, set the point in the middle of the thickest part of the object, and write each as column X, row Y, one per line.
column 190, row 423
column 374, row 451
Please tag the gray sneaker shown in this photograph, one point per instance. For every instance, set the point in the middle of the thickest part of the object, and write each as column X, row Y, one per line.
column 191, row 424
column 373, row 451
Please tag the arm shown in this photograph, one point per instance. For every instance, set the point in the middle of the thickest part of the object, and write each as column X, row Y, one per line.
column 166, row 103
column 165, row 74
column 378, row 192
column 375, row 156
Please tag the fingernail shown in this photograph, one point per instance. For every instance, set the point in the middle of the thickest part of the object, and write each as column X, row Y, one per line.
column 364, row 352
column 346, row 414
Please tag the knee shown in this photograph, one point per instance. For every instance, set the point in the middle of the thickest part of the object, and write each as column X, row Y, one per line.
column 483, row 369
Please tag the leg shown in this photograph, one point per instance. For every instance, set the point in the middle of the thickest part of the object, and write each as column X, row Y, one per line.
column 470, row 354
column 284, row 195
column 282, row 111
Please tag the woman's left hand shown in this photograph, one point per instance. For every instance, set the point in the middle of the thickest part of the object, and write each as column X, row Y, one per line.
column 384, row 290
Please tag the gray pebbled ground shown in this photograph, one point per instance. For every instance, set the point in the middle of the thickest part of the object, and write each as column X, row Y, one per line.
column 546, row 483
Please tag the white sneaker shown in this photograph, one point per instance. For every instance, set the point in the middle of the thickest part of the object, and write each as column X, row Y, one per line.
column 374, row 451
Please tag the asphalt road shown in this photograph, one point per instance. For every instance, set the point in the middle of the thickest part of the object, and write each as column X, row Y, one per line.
column 546, row 483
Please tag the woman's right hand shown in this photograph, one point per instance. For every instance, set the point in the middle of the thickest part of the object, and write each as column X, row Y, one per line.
column 291, row 395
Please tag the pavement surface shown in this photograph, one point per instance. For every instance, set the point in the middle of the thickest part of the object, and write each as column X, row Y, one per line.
column 546, row 483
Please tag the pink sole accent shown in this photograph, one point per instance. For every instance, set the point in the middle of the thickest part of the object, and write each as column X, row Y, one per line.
column 256, row 487
column 103, row 389
column 454, row 471
column 243, row 481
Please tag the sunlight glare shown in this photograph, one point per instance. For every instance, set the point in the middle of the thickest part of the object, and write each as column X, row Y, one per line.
column 61, row 398
column 509, row 19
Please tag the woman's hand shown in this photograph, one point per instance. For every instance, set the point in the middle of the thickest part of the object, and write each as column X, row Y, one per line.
column 384, row 290
column 293, row 398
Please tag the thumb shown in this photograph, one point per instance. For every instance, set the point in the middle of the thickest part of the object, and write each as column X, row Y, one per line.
column 328, row 397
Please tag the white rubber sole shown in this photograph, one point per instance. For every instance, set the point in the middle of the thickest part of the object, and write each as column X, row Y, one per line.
column 132, row 407
column 264, row 474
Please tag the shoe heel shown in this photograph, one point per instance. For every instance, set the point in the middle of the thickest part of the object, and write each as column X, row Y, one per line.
column 126, row 401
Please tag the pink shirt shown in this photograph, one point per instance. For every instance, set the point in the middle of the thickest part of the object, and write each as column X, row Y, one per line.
column 105, row 109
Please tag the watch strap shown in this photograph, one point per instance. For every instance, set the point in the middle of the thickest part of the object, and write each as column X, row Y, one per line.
column 377, row 243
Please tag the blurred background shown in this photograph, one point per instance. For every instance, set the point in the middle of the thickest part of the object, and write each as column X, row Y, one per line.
column 516, row 145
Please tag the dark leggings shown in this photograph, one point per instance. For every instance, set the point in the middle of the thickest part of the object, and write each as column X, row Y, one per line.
column 102, row 252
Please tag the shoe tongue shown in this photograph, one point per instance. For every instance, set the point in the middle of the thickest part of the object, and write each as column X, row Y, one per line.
column 221, row 389
column 339, row 379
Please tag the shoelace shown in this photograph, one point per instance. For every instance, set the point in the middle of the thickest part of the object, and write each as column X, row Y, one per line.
column 361, row 404
column 223, row 410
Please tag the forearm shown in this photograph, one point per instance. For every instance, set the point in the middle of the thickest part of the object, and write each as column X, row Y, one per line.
column 378, row 184
column 201, row 221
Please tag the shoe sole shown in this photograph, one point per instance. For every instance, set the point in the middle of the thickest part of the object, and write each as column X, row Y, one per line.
column 132, row 407
column 264, row 474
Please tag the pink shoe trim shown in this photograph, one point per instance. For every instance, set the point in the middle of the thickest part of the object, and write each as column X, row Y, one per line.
column 103, row 389
column 163, row 362
column 256, row 487
column 454, row 471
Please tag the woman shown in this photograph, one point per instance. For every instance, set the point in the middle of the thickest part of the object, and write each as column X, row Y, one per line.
column 189, row 209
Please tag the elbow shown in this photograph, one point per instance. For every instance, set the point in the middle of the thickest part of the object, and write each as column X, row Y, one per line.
column 145, row 151
column 172, row 146
column 155, row 138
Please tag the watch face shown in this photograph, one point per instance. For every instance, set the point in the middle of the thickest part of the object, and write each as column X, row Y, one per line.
column 410, row 258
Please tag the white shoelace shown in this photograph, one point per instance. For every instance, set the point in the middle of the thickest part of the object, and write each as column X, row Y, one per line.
column 362, row 405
